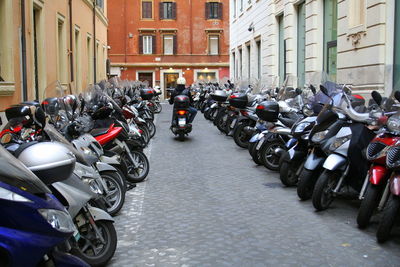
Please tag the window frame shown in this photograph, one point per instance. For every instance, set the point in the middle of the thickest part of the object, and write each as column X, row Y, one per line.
column 210, row 36
column 141, row 9
column 7, row 64
column 149, row 40
column 172, row 36
column 165, row 5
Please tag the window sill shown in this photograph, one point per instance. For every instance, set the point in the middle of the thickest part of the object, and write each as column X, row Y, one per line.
column 213, row 19
column 241, row 14
column 168, row 19
column 249, row 7
column 142, row 19
column 7, row 88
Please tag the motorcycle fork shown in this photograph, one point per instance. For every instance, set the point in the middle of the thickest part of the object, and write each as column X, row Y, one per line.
column 125, row 148
column 339, row 185
column 89, row 217
column 385, row 196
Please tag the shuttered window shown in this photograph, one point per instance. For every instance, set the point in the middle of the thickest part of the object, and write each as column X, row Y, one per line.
column 213, row 10
column 213, row 44
column 167, row 10
column 147, row 10
column 168, row 44
column 147, row 44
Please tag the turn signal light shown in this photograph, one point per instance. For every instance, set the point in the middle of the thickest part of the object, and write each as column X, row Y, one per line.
column 181, row 112
column 260, row 107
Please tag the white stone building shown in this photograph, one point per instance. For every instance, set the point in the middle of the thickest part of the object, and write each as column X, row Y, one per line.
column 352, row 40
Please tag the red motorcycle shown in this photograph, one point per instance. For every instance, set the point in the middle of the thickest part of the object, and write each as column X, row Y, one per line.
column 375, row 190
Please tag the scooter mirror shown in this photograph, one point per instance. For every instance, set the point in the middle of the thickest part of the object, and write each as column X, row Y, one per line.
column 397, row 95
column 323, row 90
column 376, row 97
column 313, row 90
column 277, row 90
column 299, row 91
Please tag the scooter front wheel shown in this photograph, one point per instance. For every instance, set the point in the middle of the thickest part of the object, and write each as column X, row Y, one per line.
column 268, row 154
column 138, row 173
column 323, row 192
column 91, row 249
column 287, row 173
column 115, row 198
column 389, row 216
column 368, row 205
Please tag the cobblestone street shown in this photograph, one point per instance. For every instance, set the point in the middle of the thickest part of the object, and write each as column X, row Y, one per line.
column 205, row 203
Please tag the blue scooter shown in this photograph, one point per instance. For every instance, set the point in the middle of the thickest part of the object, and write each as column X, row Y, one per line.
column 33, row 222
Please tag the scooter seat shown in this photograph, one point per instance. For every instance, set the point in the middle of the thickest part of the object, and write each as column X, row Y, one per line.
column 98, row 131
column 287, row 122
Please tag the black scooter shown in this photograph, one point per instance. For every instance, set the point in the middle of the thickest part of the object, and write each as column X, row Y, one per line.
column 180, row 126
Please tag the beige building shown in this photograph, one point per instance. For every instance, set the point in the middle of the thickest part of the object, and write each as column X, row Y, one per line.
column 352, row 40
column 42, row 41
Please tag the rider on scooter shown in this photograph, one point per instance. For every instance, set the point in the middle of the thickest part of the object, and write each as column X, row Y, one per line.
column 182, row 90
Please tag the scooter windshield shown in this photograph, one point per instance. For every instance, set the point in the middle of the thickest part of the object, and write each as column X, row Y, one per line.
column 14, row 173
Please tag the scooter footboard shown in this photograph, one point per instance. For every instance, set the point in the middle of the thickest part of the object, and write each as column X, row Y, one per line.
column 335, row 162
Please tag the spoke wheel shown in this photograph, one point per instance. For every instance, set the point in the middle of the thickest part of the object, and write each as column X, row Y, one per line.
column 139, row 173
column 91, row 249
column 323, row 192
column 268, row 156
column 115, row 198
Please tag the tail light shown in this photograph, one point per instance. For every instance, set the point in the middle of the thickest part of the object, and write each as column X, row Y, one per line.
column 260, row 107
column 140, row 131
column 182, row 112
column 374, row 150
column 393, row 157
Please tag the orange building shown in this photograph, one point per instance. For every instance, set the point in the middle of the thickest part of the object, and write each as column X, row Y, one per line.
column 160, row 40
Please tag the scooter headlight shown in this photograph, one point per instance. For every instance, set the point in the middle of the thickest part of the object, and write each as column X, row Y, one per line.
column 11, row 196
column 59, row 220
column 318, row 137
column 393, row 123
column 339, row 141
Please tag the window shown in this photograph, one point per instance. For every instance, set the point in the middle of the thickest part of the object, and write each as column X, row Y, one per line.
column 61, row 50
column 167, row 10
column 77, row 60
column 234, row 64
column 147, row 9
column 213, row 10
column 248, row 61
column 100, row 3
column 241, row 5
column 356, row 13
column 330, row 37
column 90, row 63
column 147, row 44
column 282, row 50
column 301, row 44
column 169, row 44
column 258, row 44
column 213, row 41
column 206, row 76
column 234, row 8
column 240, row 60
column 98, row 61
column 6, row 43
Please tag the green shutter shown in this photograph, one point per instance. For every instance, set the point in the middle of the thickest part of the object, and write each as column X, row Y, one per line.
column 281, row 50
column 330, row 38
column 301, row 44
column 396, row 63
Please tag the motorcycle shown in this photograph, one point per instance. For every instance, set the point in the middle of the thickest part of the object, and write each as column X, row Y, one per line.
column 180, row 126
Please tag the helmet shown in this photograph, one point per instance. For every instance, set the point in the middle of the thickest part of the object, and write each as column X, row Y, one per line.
column 181, row 80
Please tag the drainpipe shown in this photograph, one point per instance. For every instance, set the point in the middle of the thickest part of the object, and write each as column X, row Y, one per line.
column 71, row 57
column 94, row 42
column 23, row 54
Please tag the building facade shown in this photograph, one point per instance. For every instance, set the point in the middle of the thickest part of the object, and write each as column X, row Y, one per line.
column 159, row 40
column 44, row 41
column 352, row 40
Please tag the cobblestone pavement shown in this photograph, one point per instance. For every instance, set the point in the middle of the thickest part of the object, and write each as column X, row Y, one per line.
column 205, row 203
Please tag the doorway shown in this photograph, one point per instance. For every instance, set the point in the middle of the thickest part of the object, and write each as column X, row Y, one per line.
column 169, row 83
column 146, row 77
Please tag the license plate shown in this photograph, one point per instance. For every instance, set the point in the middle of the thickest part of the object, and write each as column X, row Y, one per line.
column 182, row 121
column 260, row 144
column 233, row 123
